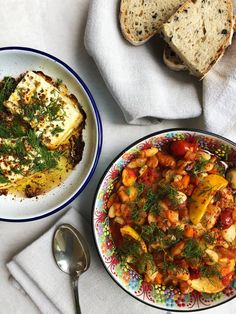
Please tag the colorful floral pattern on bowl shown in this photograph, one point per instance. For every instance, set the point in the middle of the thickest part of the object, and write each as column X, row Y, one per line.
column 156, row 295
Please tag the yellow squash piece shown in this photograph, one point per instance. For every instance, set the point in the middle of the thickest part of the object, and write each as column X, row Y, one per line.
column 212, row 285
column 203, row 194
column 130, row 232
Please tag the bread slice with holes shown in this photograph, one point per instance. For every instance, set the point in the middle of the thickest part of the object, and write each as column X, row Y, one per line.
column 141, row 19
column 199, row 32
column 172, row 61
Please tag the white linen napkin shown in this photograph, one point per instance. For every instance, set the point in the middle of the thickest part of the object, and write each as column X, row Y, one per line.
column 219, row 95
column 35, row 273
column 145, row 89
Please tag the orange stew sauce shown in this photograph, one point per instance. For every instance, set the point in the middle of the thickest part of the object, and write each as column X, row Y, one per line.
column 172, row 217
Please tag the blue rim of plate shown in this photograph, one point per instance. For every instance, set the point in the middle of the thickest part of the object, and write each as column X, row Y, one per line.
column 98, row 126
column 157, row 307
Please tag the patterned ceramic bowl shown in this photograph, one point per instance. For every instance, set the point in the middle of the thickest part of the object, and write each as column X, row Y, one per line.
column 158, row 296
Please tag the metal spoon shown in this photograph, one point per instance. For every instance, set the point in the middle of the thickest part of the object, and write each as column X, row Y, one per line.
column 71, row 255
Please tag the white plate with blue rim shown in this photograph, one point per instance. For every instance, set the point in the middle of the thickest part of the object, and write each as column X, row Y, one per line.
column 17, row 60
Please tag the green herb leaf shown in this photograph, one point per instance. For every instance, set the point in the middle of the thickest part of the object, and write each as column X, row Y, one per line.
column 3, row 179
column 209, row 271
column 192, row 249
column 146, row 263
column 209, row 237
column 151, row 233
column 199, row 166
column 129, row 248
column 8, row 85
column 57, row 130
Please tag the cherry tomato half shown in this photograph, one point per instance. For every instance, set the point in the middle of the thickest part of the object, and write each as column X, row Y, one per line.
column 226, row 219
column 180, row 147
column 194, row 273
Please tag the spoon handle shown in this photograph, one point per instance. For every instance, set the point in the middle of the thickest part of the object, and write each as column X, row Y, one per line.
column 76, row 294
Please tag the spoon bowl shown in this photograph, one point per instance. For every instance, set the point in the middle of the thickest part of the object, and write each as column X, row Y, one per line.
column 71, row 254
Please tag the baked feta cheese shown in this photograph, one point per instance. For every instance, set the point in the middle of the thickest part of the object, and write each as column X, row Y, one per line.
column 52, row 114
column 22, row 157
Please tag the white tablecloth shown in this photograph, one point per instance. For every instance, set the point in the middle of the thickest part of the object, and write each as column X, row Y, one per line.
column 65, row 22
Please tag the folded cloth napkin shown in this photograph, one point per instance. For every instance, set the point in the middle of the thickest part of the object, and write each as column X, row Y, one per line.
column 145, row 89
column 35, row 273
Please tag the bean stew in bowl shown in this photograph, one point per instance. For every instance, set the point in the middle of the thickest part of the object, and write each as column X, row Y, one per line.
column 165, row 220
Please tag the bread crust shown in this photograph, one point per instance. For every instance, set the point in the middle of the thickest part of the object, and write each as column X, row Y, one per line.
column 172, row 62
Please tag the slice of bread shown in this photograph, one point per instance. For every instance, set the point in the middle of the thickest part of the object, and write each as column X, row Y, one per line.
column 141, row 19
column 171, row 60
column 199, row 32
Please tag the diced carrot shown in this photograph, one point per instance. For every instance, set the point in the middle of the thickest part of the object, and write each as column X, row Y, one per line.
column 159, row 278
column 172, row 216
column 189, row 231
column 185, row 181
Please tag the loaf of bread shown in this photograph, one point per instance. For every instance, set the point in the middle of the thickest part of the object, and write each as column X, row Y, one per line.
column 141, row 19
column 199, row 32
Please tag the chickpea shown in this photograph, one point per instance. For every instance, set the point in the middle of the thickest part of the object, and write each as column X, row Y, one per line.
column 137, row 163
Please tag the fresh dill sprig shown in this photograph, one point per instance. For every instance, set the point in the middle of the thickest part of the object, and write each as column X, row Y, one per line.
column 8, row 85
column 6, row 149
column 174, row 235
column 11, row 129
column 20, row 149
column 151, row 233
column 210, row 271
column 177, row 232
column 199, row 166
column 130, row 248
column 3, row 179
column 146, row 261
column 46, row 159
column 209, row 237
column 168, row 191
column 168, row 266
column 151, row 200
column 192, row 249
column 57, row 130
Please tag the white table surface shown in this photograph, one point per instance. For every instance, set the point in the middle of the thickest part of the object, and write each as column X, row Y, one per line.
column 62, row 35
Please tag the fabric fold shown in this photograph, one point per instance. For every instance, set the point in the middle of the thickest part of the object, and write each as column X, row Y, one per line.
column 145, row 89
